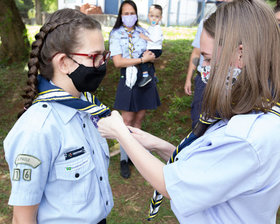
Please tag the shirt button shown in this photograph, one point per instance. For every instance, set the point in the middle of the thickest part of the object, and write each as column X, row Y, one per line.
column 93, row 152
column 176, row 159
column 107, row 203
column 100, row 178
column 77, row 175
column 45, row 105
column 84, row 125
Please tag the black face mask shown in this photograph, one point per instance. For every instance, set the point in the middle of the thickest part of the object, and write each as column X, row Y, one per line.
column 87, row 79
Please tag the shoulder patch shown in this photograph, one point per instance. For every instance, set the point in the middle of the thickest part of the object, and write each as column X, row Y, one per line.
column 26, row 174
column 27, row 160
column 16, row 174
column 240, row 125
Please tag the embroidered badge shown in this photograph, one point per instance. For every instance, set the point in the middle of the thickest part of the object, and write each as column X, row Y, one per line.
column 16, row 174
column 74, row 153
column 28, row 160
column 94, row 120
column 27, row 174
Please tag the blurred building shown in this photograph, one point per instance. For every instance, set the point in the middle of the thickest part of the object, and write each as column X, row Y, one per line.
column 175, row 12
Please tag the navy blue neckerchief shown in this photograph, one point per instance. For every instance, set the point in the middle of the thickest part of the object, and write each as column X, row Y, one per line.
column 49, row 92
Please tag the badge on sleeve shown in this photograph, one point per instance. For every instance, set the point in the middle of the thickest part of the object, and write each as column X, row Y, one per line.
column 27, row 160
column 27, row 174
column 16, row 174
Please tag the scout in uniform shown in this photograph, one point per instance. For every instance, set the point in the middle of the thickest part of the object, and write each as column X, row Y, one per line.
column 57, row 159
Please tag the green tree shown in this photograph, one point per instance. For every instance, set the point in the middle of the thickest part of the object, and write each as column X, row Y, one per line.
column 38, row 10
column 14, row 42
column 24, row 6
column 49, row 5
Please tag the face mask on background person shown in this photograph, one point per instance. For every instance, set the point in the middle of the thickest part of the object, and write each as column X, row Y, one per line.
column 205, row 74
column 129, row 21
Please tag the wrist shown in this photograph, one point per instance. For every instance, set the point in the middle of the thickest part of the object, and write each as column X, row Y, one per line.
column 142, row 60
column 189, row 78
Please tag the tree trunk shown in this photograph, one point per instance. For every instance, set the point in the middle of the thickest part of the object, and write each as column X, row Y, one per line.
column 38, row 12
column 14, row 42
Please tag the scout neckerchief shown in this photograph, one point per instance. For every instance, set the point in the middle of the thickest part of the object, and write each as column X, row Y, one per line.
column 130, row 43
column 49, row 93
column 198, row 131
column 131, row 71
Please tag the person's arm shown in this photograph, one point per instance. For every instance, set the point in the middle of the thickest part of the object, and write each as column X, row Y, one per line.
column 121, row 62
column 25, row 214
column 144, row 37
column 154, row 144
column 149, row 166
column 194, row 61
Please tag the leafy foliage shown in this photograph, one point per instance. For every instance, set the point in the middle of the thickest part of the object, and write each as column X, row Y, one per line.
column 25, row 6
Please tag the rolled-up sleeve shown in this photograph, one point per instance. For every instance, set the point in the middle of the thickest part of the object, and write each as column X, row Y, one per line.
column 28, row 178
column 114, row 45
column 196, row 41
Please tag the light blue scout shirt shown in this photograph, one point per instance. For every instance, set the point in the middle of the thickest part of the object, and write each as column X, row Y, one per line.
column 119, row 42
column 58, row 159
column 196, row 43
column 230, row 175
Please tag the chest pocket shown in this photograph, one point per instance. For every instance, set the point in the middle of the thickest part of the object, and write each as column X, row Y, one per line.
column 124, row 46
column 124, row 42
column 75, row 179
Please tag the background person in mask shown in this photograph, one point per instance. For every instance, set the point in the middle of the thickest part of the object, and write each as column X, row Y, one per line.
column 277, row 12
column 57, row 159
column 195, row 63
column 231, row 173
column 126, row 46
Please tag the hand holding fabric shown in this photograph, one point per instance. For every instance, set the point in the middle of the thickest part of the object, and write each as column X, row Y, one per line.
column 111, row 126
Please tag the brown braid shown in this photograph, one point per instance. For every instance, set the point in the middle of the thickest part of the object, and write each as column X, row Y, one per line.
column 58, row 34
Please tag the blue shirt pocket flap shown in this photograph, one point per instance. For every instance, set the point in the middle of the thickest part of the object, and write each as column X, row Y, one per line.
column 74, row 169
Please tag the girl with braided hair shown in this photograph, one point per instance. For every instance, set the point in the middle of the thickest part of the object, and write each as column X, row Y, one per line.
column 58, row 161
column 228, row 174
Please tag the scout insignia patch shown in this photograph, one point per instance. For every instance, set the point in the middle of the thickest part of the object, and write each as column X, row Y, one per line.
column 74, row 153
column 27, row 160
column 27, row 174
column 16, row 174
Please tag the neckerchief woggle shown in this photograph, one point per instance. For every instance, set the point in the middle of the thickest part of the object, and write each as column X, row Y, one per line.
column 49, row 92
column 198, row 131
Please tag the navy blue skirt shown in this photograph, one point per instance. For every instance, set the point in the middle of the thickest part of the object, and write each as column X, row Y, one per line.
column 137, row 98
